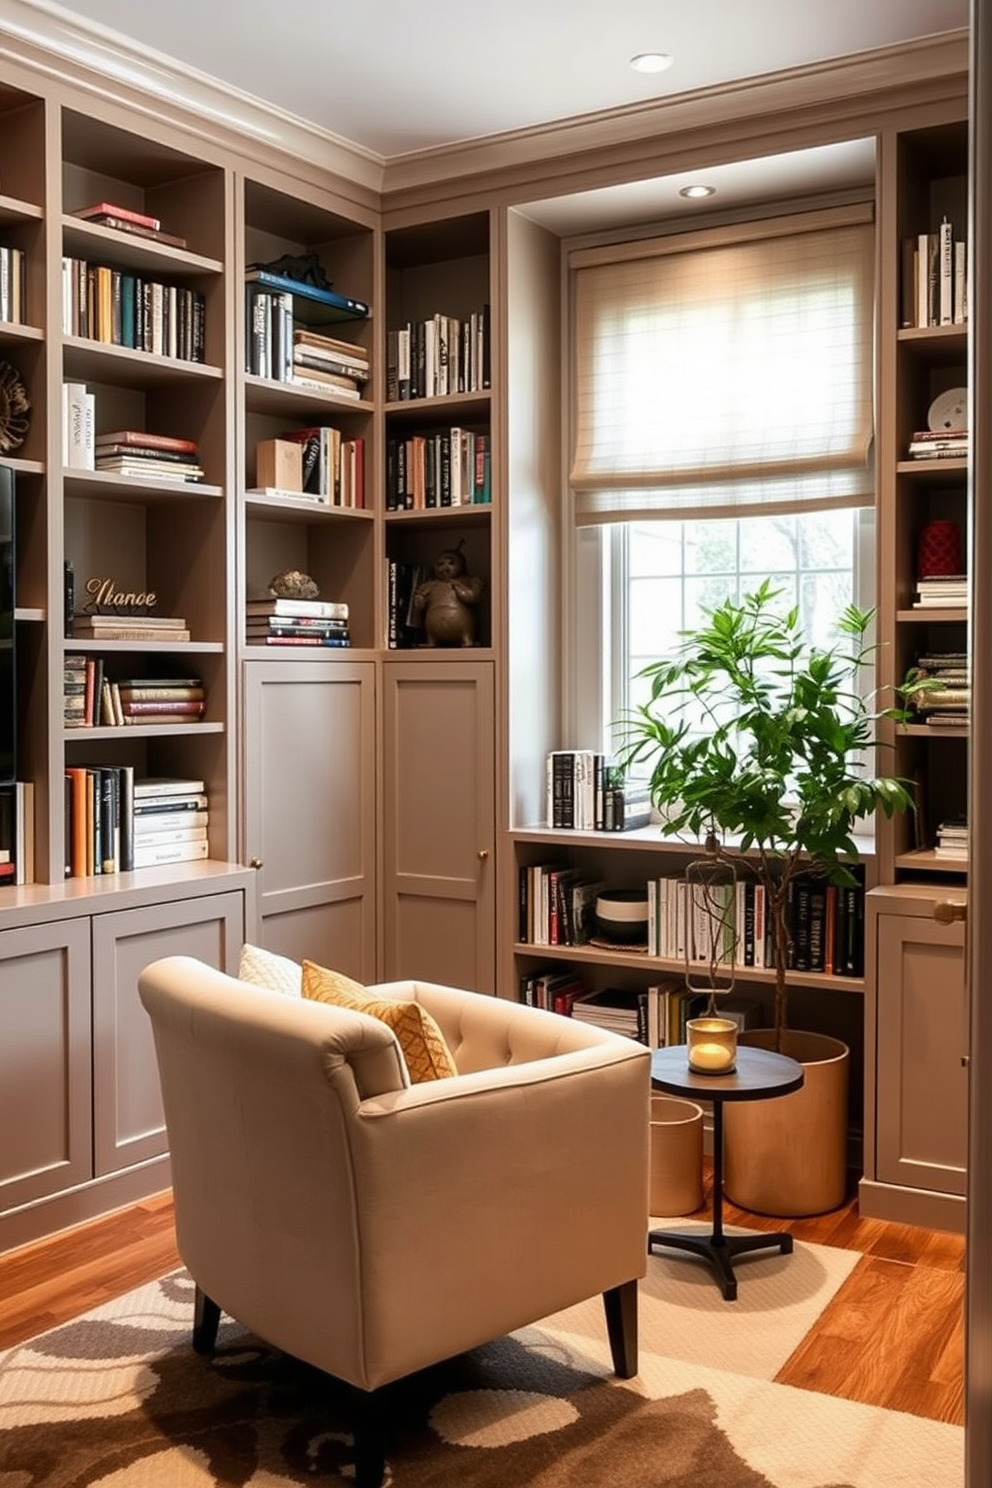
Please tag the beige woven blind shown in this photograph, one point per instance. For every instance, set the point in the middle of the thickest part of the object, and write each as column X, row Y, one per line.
column 713, row 376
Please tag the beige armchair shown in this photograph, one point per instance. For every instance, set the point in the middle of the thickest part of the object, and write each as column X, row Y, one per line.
column 371, row 1227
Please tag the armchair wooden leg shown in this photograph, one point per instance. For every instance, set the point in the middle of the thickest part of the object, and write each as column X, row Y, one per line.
column 206, row 1321
column 620, row 1304
column 370, row 1443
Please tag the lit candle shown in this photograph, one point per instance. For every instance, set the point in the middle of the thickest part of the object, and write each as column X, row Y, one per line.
column 713, row 1058
column 712, row 1045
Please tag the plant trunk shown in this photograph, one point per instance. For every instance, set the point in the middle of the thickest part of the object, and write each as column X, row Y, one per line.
column 780, row 941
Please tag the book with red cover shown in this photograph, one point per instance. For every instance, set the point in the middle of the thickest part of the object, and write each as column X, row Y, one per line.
column 126, row 214
column 139, row 439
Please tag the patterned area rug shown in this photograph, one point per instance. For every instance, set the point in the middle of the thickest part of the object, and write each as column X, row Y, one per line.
column 118, row 1398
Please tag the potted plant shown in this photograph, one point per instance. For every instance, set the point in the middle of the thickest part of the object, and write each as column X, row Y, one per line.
column 772, row 752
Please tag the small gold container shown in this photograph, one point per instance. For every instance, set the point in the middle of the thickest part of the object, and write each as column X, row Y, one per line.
column 712, row 1045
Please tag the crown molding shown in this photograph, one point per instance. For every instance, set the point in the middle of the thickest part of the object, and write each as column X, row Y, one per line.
column 886, row 70
column 105, row 64
column 84, row 55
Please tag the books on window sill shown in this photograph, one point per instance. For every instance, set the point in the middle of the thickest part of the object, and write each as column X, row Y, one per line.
column 586, row 791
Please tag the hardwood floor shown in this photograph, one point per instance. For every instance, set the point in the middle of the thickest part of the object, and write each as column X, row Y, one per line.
column 893, row 1336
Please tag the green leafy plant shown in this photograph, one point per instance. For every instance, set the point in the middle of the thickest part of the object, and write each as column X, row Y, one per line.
column 780, row 762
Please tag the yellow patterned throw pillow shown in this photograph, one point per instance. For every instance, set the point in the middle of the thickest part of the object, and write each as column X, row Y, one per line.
column 427, row 1055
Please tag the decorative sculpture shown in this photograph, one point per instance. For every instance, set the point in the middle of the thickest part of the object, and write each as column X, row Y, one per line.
column 294, row 584
column 448, row 601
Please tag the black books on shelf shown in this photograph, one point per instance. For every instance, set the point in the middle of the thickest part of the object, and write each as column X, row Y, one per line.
column 439, row 468
column 586, row 791
column 557, row 905
column 17, row 833
column 438, row 356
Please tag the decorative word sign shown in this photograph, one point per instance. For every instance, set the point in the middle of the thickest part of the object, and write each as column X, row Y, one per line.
column 104, row 598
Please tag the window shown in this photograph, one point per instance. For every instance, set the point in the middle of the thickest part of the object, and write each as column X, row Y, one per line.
column 721, row 434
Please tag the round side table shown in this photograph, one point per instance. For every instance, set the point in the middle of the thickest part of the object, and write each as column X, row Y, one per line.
column 760, row 1075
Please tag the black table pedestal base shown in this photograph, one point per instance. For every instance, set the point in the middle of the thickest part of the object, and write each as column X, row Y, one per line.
column 719, row 1251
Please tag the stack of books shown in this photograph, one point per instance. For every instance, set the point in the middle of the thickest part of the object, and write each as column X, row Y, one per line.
column 620, row 1009
column 329, row 364
column 297, row 622
column 939, row 689
column 170, row 821
column 943, row 592
column 136, row 453
column 125, row 219
column 939, row 444
column 157, row 700
column 121, row 627
column 952, row 838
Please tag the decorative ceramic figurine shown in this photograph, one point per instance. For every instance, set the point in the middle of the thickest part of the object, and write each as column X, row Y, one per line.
column 448, row 600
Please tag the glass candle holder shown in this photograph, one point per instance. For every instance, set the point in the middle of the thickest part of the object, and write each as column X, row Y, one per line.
column 712, row 1045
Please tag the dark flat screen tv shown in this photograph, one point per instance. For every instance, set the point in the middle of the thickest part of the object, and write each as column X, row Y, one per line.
column 8, row 681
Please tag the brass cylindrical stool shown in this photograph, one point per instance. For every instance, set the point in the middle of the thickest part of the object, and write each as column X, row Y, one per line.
column 676, row 1170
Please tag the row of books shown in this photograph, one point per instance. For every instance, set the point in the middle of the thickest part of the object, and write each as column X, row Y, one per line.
column 320, row 462
column 278, row 349
column 934, row 278
column 297, row 622
column 128, row 220
column 438, row 356
column 698, row 924
column 655, row 1015
column 115, row 823
column 94, row 700
column 13, row 290
column 728, row 923
column 445, row 467
column 121, row 308
column 404, row 622
column 17, row 833
column 134, row 453
column 586, row 790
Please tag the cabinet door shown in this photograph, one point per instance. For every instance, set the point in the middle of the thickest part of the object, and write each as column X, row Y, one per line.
column 128, row 1125
column 45, row 1078
column 439, row 823
column 310, row 809
column 921, row 1099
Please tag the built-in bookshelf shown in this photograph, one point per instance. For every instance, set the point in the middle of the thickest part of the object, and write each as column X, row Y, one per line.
column 437, row 482
column 331, row 540
column 923, row 522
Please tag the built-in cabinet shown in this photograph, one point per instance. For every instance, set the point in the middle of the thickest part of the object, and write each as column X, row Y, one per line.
column 917, row 1043
column 916, row 1075
column 439, row 822
column 310, row 816
column 79, row 1100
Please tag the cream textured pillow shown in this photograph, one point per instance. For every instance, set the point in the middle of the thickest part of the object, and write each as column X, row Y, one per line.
column 262, row 968
column 426, row 1054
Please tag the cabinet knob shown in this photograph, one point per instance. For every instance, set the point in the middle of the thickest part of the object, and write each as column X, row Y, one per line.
column 255, row 863
column 482, row 854
column 948, row 911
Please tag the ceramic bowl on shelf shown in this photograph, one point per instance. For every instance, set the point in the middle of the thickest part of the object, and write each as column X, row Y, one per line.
column 622, row 916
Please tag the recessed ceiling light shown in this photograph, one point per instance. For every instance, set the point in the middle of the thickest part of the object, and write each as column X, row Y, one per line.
column 651, row 62
column 696, row 191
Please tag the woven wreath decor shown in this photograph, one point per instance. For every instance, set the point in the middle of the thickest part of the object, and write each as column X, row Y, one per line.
column 14, row 409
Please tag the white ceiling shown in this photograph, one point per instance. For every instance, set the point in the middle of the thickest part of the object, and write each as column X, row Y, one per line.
column 394, row 77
